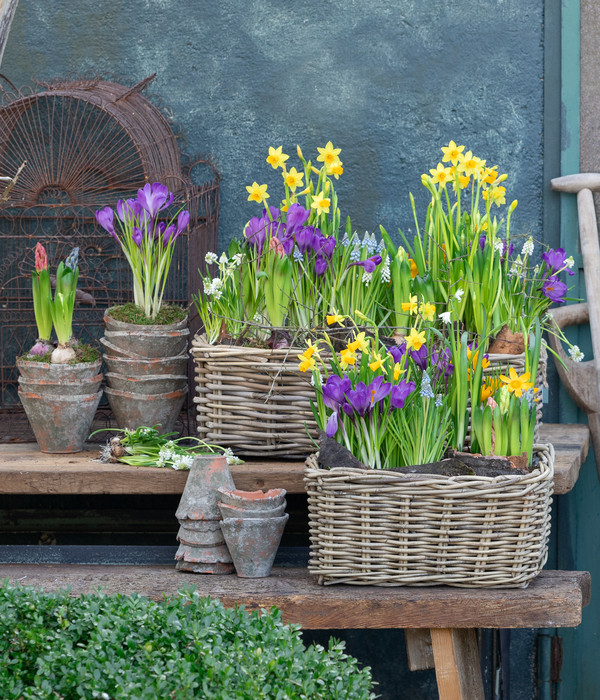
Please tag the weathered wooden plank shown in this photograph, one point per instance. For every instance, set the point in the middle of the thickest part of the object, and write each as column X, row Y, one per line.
column 457, row 664
column 553, row 599
column 26, row 470
column 419, row 652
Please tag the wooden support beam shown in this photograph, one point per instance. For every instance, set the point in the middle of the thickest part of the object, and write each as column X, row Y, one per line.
column 457, row 668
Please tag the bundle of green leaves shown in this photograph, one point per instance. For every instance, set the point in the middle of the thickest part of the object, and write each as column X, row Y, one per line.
column 108, row 647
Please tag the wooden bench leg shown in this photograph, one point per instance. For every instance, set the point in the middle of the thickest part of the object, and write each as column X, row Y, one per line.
column 418, row 649
column 457, row 667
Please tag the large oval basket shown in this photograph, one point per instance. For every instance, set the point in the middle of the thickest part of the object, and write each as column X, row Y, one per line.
column 376, row 527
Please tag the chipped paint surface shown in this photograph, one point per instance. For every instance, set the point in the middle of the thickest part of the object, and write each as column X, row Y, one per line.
column 387, row 82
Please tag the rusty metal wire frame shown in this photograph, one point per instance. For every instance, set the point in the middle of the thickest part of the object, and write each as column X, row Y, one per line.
column 87, row 144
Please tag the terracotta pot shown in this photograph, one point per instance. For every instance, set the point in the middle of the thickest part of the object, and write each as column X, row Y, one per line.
column 199, row 499
column 252, row 500
column 111, row 324
column 61, row 424
column 143, row 343
column 241, row 512
column 253, row 543
column 62, row 388
column 135, row 367
column 147, row 385
column 131, row 410
column 58, row 372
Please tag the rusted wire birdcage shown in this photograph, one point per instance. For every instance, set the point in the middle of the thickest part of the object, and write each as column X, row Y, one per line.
column 87, row 143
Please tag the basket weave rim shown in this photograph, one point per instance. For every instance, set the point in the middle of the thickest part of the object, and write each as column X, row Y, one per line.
column 381, row 476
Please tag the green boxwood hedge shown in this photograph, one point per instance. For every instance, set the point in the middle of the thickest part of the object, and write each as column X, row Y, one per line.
column 54, row 646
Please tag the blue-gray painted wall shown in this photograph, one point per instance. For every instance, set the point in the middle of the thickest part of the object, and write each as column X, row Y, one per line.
column 388, row 82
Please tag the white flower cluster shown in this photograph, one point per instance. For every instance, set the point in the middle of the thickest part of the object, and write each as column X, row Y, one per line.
column 170, row 456
column 230, row 457
column 517, row 269
column 569, row 262
column 527, row 247
column 214, row 288
column 366, row 278
column 499, row 245
column 385, row 270
column 576, row 354
column 426, row 390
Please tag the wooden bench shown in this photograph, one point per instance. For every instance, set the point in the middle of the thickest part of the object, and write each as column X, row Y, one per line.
column 553, row 599
column 26, row 470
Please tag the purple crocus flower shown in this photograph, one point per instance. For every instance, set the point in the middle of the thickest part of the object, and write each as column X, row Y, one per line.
column 556, row 259
column 324, row 245
column 295, row 219
column 335, row 389
column 256, row 232
column 370, row 264
column 129, row 210
column 482, row 241
column 554, row 289
column 359, row 398
column 105, row 217
column 332, row 425
column 159, row 230
column 304, row 237
column 137, row 236
column 420, row 356
column 154, row 198
column 183, row 219
column 321, row 265
column 398, row 352
column 400, row 392
column 379, row 389
column 441, row 360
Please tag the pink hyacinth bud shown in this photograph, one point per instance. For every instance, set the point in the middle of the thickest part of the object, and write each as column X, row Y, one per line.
column 275, row 244
column 41, row 259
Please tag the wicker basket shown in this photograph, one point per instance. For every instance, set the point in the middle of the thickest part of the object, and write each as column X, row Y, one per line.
column 375, row 527
column 253, row 400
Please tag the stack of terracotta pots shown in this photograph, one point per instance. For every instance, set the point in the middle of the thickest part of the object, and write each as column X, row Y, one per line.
column 146, row 372
column 252, row 524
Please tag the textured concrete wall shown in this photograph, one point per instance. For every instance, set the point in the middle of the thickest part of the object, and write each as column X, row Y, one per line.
column 387, row 81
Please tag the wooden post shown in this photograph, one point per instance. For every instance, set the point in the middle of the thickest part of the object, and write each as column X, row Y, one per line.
column 457, row 664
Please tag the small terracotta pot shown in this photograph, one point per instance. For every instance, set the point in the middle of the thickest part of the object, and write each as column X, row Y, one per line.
column 132, row 410
column 241, row 512
column 253, row 543
column 252, row 500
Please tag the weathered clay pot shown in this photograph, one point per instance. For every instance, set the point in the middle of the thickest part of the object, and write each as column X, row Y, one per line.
column 159, row 366
column 58, row 372
column 252, row 500
column 131, row 410
column 147, row 385
column 202, row 547
column 200, row 497
column 240, row 512
column 60, row 424
column 145, row 343
column 111, row 324
column 253, row 543
column 114, row 351
column 61, row 388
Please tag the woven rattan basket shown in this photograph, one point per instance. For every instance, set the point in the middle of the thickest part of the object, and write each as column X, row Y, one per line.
column 376, row 527
column 253, row 400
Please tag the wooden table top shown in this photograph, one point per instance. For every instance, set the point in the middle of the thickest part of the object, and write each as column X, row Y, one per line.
column 553, row 599
column 26, row 470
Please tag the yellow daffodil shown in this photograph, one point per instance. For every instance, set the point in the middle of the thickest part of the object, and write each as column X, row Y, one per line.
column 334, row 318
column 427, row 311
column 284, row 206
column 336, row 169
column 415, row 339
column 469, row 164
column 293, row 179
column 398, row 371
column 256, row 192
column 377, row 363
column 411, row 305
column 490, row 175
column 329, row 154
column 306, row 364
column 516, row 384
column 441, row 175
column 359, row 343
column 321, row 203
column 488, row 388
column 347, row 358
column 452, row 153
column 276, row 158
column 414, row 270
column 311, row 349
column 496, row 195
column 299, row 152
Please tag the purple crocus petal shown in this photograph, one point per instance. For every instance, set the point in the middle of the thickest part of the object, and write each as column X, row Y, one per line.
column 304, row 238
column 159, row 230
column 554, row 289
column 334, row 390
column 256, row 232
column 154, row 198
column 170, row 232
column 105, row 217
column 482, row 240
column 397, row 352
column 347, row 409
column 287, row 242
column 370, row 264
column 321, row 265
column 510, row 251
column 137, row 236
column 379, row 389
column 183, row 220
column 556, row 260
column 327, row 245
column 332, row 425
column 296, row 217
column 275, row 213
column 359, row 398
column 420, row 356
column 400, row 392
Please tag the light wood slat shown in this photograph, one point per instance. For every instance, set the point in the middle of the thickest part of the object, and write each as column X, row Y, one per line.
column 553, row 599
column 26, row 470
column 457, row 664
